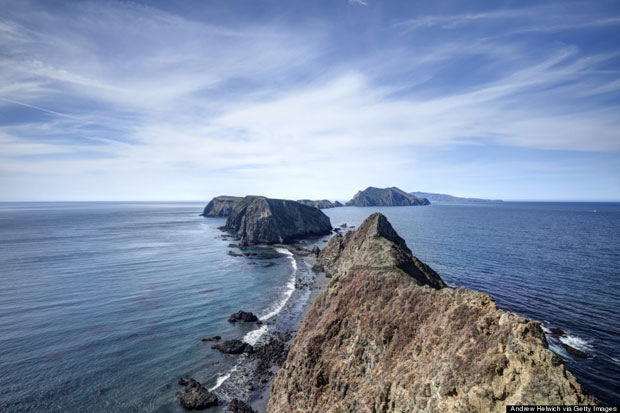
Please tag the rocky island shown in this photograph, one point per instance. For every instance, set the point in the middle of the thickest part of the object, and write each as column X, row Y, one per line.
column 260, row 220
column 393, row 196
column 387, row 335
column 321, row 204
column 221, row 206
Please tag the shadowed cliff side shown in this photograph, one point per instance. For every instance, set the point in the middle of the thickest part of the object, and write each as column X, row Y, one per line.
column 260, row 220
column 221, row 206
column 388, row 336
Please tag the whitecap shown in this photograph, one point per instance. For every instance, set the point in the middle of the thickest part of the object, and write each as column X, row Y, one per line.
column 290, row 287
column 575, row 342
column 253, row 336
column 221, row 379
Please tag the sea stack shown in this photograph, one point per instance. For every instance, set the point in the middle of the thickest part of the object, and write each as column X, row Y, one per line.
column 372, row 196
column 259, row 220
column 320, row 204
column 387, row 335
column 221, row 206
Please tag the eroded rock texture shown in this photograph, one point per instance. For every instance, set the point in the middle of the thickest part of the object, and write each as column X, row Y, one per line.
column 393, row 196
column 388, row 336
column 221, row 206
column 260, row 220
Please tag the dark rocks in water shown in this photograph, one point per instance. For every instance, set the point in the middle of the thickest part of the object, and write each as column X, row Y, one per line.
column 251, row 263
column 238, row 406
column 233, row 347
column 212, row 338
column 196, row 396
column 242, row 316
column 320, row 204
column 272, row 353
column 557, row 331
column 316, row 250
column 393, row 196
column 234, row 254
column 574, row 351
column 182, row 381
column 220, row 206
column 233, row 246
column 260, row 220
column 343, row 225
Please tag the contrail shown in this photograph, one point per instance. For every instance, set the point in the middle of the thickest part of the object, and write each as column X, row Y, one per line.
column 40, row 108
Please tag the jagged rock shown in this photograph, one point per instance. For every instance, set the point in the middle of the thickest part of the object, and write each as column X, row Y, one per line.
column 372, row 196
column 316, row 250
column 387, row 335
column 238, row 406
column 182, row 381
column 337, row 204
column 212, row 338
column 220, row 206
column 196, row 396
column 233, row 347
column 242, row 316
column 321, row 204
column 574, row 351
column 343, row 225
column 260, row 220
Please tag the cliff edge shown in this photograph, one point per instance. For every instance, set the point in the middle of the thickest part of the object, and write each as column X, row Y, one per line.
column 221, row 206
column 387, row 335
column 393, row 196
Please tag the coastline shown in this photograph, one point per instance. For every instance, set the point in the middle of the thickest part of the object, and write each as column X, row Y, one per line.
column 260, row 399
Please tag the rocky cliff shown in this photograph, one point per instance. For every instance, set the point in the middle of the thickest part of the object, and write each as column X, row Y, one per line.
column 450, row 198
column 387, row 335
column 260, row 220
column 321, row 204
column 372, row 196
column 221, row 206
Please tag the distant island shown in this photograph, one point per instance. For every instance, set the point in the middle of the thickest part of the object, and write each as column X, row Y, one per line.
column 320, row 204
column 221, row 206
column 393, row 196
column 455, row 199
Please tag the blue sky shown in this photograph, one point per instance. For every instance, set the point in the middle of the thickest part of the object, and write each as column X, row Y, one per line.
column 182, row 100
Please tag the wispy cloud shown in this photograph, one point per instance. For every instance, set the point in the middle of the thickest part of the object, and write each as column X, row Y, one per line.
column 145, row 103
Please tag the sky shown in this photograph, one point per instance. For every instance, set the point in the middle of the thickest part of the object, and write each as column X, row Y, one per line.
column 186, row 100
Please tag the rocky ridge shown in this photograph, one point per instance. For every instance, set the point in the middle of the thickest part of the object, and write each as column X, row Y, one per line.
column 387, row 335
column 393, row 196
column 221, row 206
column 259, row 220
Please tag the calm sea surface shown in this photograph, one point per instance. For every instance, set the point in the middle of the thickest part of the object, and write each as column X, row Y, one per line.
column 102, row 305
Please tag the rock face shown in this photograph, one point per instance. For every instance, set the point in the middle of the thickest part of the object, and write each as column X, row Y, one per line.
column 196, row 396
column 260, row 220
column 372, row 196
column 238, row 406
column 320, row 204
column 387, row 335
column 221, row 206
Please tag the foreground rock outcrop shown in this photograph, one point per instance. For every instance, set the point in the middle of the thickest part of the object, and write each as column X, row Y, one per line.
column 372, row 196
column 196, row 396
column 387, row 335
column 221, row 206
column 260, row 220
column 320, row 204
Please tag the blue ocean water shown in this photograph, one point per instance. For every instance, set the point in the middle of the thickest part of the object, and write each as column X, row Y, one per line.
column 103, row 305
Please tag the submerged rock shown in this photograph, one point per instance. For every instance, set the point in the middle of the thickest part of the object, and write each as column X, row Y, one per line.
column 220, row 206
column 233, row 347
column 574, row 351
column 196, row 396
column 242, row 316
column 387, row 335
column 260, row 220
column 238, row 406
column 393, row 196
column 212, row 338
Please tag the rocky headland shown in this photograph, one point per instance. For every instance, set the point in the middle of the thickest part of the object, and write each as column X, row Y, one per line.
column 320, row 204
column 387, row 335
column 393, row 196
column 221, row 206
column 259, row 220
column 432, row 197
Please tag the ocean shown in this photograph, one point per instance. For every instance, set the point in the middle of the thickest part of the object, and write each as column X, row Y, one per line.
column 103, row 305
